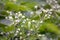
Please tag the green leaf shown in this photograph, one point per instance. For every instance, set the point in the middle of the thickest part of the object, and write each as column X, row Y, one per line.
column 3, row 13
column 47, row 6
column 29, row 4
column 49, row 28
column 23, row 8
column 9, row 28
column 2, row 17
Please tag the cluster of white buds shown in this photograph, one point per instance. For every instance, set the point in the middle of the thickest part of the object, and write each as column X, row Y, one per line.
column 54, row 4
column 15, row 17
column 38, row 12
column 16, row 33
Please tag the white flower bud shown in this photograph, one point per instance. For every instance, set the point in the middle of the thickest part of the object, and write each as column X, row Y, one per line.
column 17, row 20
column 36, row 6
column 16, row 16
column 10, row 17
column 46, row 15
column 20, row 15
column 41, row 21
column 15, row 34
column 21, row 37
column 39, row 35
column 6, row 17
column 31, row 29
column 33, row 21
column 27, row 19
column 19, row 12
column 28, row 34
column 18, row 29
column 32, row 13
column 23, row 16
column 7, row 11
column 29, row 23
column 20, row 33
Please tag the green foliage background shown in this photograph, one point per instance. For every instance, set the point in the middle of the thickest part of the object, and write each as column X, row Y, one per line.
column 50, row 25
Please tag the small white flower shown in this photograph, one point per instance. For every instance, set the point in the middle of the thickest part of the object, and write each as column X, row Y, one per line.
column 27, row 19
column 13, row 22
column 43, row 35
column 46, row 15
column 16, row 38
column 41, row 21
column 19, row 12
column 16, row 16
column 38, row 12
column 44, row 10
column 18, row 29
column 29, row 22
column 47, row 10
column 17, row 20
column 31, row 29
column 49, row 15
column 20, row 33
column 15, row 34
column 36, row 26
column 28, row 34
column 1, row 33
column 24, row 21
column 23, row 16
column 33, row 21
column 10, row 17
column 6, row 17
column 39, row 35
column 20, row 15
column 55, row 1
column 7, row 33
column 51, row 9
column 11, row 31
column 50, row 12
column 8, row 11
column 32, row 13
column 21, row 37
column 36, row 6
